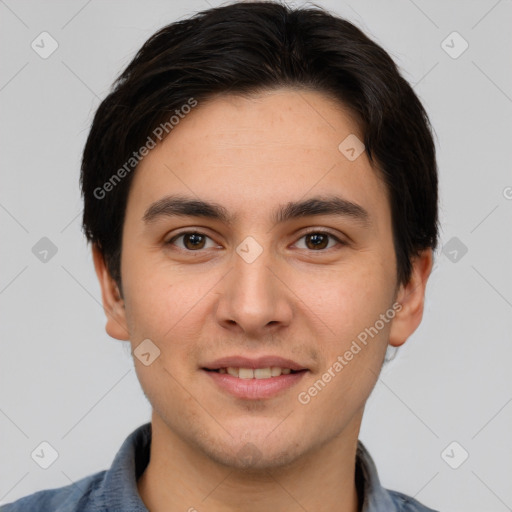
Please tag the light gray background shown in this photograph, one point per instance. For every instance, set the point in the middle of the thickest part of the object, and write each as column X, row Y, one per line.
column 63, row 380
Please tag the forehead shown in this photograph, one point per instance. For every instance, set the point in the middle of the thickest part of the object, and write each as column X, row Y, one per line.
column 248, row 152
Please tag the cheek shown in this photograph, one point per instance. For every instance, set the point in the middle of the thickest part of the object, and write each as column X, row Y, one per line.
column 166, row 306
column 154, row 299
column 354, row 347
column 348, row 299
column 352, row 360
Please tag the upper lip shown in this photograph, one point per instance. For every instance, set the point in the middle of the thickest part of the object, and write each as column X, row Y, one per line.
column 258, row 362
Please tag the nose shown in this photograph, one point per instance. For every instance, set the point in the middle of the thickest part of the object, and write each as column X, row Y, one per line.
column 254, row 297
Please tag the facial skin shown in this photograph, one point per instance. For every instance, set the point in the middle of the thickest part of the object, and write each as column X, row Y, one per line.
column 307, row 304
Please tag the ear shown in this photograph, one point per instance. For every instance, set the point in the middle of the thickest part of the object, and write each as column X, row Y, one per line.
column 113, row 304
column 412, row 297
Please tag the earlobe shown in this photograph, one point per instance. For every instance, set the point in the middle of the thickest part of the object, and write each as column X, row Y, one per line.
column 411, row 297
column 113, row 304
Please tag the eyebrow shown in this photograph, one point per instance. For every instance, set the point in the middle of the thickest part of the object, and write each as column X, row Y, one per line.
column 177, row 205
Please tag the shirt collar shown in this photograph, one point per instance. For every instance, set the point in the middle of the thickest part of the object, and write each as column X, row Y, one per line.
column 376, row 498
column 118, row 490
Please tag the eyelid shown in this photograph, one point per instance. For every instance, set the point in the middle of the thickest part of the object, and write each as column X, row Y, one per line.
column 340, row 241
column 324, row 231
column 188, row 232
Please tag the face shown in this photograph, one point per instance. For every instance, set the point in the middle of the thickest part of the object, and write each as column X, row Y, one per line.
column 252, row 284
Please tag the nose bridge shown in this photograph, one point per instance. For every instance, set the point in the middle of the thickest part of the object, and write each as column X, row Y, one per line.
column 252, row 280
column 252, row 296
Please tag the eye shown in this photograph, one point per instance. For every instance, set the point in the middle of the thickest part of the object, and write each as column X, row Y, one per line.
column 192, row 240
column 319, row 240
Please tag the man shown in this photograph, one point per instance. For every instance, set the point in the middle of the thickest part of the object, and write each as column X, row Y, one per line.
column 260, row 192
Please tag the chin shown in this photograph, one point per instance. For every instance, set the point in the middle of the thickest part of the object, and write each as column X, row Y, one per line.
column 254, row 450
column 255, row 459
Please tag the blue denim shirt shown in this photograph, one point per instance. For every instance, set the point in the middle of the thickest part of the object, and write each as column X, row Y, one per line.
column 115, row 490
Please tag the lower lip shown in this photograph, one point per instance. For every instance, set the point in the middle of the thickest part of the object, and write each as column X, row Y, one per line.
column 255, row 389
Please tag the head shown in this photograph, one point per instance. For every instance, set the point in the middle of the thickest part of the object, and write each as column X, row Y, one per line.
column 245, row 125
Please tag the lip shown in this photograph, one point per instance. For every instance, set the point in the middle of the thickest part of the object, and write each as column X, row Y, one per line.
column 254, row 389
column 259, row 362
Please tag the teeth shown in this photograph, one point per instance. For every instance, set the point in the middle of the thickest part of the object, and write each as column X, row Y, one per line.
column 257, row 373
column 275, row 371
column 262, row 373
column 245, row 373
column 233, row 371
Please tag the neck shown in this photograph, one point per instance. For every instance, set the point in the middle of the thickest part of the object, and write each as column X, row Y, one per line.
column 180, row 478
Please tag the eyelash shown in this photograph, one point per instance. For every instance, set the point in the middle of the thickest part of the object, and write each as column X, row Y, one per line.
column 312, row 232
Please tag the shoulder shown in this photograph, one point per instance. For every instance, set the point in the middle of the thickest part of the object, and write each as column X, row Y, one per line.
column 376, row 497
column 112, row 489
column 405, row 503
column 79, row 496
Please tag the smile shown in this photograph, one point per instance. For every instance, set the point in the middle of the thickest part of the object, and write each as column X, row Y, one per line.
column 254, row 383
column 255, row 373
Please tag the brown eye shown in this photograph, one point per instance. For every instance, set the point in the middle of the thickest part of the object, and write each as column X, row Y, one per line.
column 319, row 240
column 191, row 241
column 194, row 241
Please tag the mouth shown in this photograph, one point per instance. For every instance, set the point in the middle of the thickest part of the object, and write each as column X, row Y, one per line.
column 254, row 379
column 270, row 372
